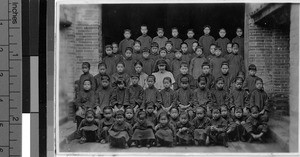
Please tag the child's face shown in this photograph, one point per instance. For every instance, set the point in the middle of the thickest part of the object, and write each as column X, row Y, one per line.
column 174, row 32
column 199, row 52
column 190, row 34
column 206, row 69
column 229, row 48
column 89, row 117
column 121, row 85
column 238, row 84
column 85, row 68
column 146, row 54
column 107, row 113
column 218, row 52
column 212, row 49
column 220, row 84
column 183, row 119
column 160, row 33
column 202, row 84
column 235, row 49
column 252, row 72
column 206, row 30
column 137, row 47
column 194, row 46
column 102, row 70
column 184, row 70
column 115, row 48
column 224, row 69
column 184, row 48
column 254, row 113
column 184, row 85
column 144, row 30
column 150, row 82
column 142, row 119
column 127, row 35
column 216, row 114
column 259, row 85
column 120, row 68
column 168, row 47
column 167, row 83
column 238, row 114
column 150, row 109
column 174, row 113
column 161, row 67
column 154, row 50
column 87, row 85
column 163, row 53
column 138, row 68
column 222, row 33
column 135, row 80
column 128, row 54
column 200, row 113
column 120, row 119
column 178, row 55
column 224, row 111
column 108, row 51
column 129, row 113
column 163, row 120
column 239, row 32
column 105, row 83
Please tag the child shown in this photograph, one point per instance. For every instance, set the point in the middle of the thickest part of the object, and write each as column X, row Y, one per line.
column 255, row 127
column 103, row 95
column 194, row 45
column 186, row 56
column 184, row 73
column 175, row 64
column 120, row 74
column 222, row 41
column 191, row 114
column 249, row 83
column 138, row 65
column 174, row 116
column 260, row 98
column 109, row 60
column 184, row 129
column 169, row 50
column 240, row 40
column 127, row 42
column 196, row 63
column 160, row 38
column 102, row 71
column 116, row 52
column 84, row 101
column 137, row 54
column 206, row 40
column 167, row 95
column 134, row 93
column 129, row 115
column 227, row 116
column 105, row 124
column 202, row 95
column 129, row 61
column 145, row 39
column 175, row 39
column 160, row 73
column 190, row 40
column 86, row 75
column 201, row 124
column 184, row 95
column 212, row 49
column 217, row 130
column 151, row 93
column 238, row 130
column 209, row 77
column 219, row 95
column 143, row 131
column 154, row 52
column 148, row 63
column 236, row 62
column 216, row 63
column 226, row 75
column 120, row 132
column 150, row 115
column 228, row 53
column 239, row 97
column 165, row 132
column 118, row 96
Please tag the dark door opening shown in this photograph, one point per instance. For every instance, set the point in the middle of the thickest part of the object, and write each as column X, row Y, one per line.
column 117, row 17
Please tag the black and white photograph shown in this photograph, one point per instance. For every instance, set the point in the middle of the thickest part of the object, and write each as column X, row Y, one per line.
column 171, row 78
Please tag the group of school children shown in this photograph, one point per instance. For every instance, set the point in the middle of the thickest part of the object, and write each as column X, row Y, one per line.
column 187, row 93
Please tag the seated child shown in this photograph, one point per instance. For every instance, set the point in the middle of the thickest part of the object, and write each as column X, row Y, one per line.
column 165, row 132
column 110, row 60
column 249, row 83
column 118, row 54
column 184, row 95
column 255, row 126
column 160, row 73
column 206, row 73
column 154, row 51
column 169, row 50
column 237, row 131
column 175, row 39
column 137, row 54
column 105, row 124
column 120, row 132
column 134, row 93
column 183, row 69
column 239, row 97
column 202, row 95
column 184, row 129
column 118, row 96
column 219, row 96
column 86, row 75
column 120, row 74
column 174, row 116
column 167, row 95
column 175, row 63
column 129, row 61
column 102, row 71
column 216, row 63
column 138, row 65
column 150, row 115
column 227, row 116
column 129, row 115
column 143, row 131
column 148, row 63
column 151, row 93
column 191, row 114
column 201, row 124
column 103, row 95
column 217, row 130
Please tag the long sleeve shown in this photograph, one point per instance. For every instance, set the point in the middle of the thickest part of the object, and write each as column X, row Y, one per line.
column 158, row 99
column 114, row 98
column 78, row 100
column 246, row 100
column 139, row 99
column 127, row 97
column 192, row 66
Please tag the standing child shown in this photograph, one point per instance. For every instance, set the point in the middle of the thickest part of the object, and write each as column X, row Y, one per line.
column 116, row 52
column 186, row 56
column 169, row 50
column 118, row 96
column 184, row 73
column 236, row 62
column 202, row 95
column 228, row 53
column 201, row 125
column 196, row 63
column 222, row 41
column 194, row 46
column 110, row 60
column 239, row 97
column 127, row 42
column 105, row 124
column 184, row 130
column 120, row 74
column 120, row 132
column 154, row 51
column 190, row 40
column 184, row 95
column 238, row 131
column 167, row 95
column 160, row 73
column 227, row 116
column 175, row 39
column 160, row 38
column 129, row 116
column 134, row 93
column 148, row 63
column 212, row 49
column 143, row 131
column 151, row 93
column 240, row 40
column 137, row 54
column 145, row 39
column 162, row 56
column 129, row 61
column 219, row 95
column 209, row 77
column 216, row 63
column 86, row 75
column 138, row 65
column 249, row 84
column 226, row 75
column 175, row 64
column 165, row 132
column 206, row 40
column 103, row 95
column 217, row 130
column 150, row 115
column 174, row 116
column 102, row 71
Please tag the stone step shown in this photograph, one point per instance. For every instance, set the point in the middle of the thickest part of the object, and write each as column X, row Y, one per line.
column 279, row 131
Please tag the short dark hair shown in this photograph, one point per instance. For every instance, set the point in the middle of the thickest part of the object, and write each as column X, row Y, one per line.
column 102, row 64
column 183, row 43
column 167, row 78
column 129, row 48
column 205, row 64
column 86, row 64
column 169, row 42
column 138, row 62
column 108, row 46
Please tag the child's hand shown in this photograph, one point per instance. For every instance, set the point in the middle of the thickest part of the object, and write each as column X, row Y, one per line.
column 243, row 122
column 262, row 112
column 237, row 122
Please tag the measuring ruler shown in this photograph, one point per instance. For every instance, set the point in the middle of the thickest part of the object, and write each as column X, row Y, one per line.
column 10, row 78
